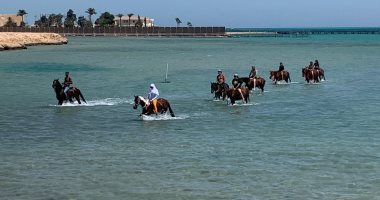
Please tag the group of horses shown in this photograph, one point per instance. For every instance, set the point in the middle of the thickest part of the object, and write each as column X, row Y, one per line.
column 221, row 91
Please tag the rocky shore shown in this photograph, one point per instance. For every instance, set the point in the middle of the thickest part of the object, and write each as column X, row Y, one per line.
column 16, row 40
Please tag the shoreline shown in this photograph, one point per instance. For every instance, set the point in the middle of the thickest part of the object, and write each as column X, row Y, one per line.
column 17, row 40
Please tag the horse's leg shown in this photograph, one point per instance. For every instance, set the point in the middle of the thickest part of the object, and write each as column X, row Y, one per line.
column 77, row 98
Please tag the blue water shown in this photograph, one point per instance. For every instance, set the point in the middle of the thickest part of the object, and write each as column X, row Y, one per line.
column 295, row 141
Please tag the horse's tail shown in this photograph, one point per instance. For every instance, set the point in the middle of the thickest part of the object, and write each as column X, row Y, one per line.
column 170, row 110
column 81, row 96
column 289, row 77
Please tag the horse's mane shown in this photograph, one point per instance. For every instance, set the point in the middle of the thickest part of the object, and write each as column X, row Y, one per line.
column 143, row 99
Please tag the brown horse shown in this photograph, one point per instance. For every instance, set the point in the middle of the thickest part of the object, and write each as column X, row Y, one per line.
column 279, row 76
column 147, row 108
column 72, row 92
column 218, row 90
column 234, row 94
column 252, row 83
column 311, row 74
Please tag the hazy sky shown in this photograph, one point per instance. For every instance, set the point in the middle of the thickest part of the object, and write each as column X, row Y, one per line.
column 229, row 13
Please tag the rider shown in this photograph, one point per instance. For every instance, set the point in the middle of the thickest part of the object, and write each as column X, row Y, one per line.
column 67, row 81
column 281, row 67
column 236, row 82
column 253, row 72
column 220, row 79
column 311, row 65
column 152, row 96
column 316, row 64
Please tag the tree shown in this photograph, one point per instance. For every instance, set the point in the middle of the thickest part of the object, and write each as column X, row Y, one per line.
column 189, row 24
column 106, row 19
column 178, row 21
column 22, row 13
column 10, row 23
column 129, row 18
column 42, row 22
column 139, row 23
column 55, row 20
column 70, row 19
column 90, row 12
column 83, row 22
column 120, row 16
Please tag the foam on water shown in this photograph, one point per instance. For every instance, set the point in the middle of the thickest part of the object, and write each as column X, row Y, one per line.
column 163, row 117
column 99, row 102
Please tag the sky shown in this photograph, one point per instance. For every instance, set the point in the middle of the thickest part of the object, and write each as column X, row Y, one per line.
column 228, row 13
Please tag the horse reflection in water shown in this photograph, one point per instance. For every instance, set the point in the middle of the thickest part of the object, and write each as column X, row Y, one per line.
column 147, row 108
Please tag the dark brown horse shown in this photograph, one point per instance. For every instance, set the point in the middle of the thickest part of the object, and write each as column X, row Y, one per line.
column 73, row 92
column 311, row 74
column 252, row 83
column 147, row 108
column 234, row 94
column 218, row 90
column 279, row 76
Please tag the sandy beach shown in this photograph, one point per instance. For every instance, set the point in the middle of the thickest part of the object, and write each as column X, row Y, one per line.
column 13, row 40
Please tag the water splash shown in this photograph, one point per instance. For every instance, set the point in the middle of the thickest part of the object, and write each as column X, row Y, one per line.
column 99, row 102
column 162, row 117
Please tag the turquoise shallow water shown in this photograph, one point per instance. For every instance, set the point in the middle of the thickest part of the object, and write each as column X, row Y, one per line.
column 297, row 141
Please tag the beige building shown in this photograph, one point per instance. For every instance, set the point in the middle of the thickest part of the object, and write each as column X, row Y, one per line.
column 15, row 18
column 134, row 19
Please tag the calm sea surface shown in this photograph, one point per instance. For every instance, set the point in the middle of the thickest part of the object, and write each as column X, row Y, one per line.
column 296, row 141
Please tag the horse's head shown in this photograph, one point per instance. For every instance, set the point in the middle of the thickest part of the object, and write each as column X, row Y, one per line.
column 214, row 87
column 271, row 74
column 139, row 100
column 56, row 84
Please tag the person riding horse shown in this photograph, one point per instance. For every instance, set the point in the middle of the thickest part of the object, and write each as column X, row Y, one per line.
column 311, row 65
column 281, row 67
column 67, row 81
column 316, row 65
column 253, row 72
column 153, row 95
column 220, row 79
column 237, row 83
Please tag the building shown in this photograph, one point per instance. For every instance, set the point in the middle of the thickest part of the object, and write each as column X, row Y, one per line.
column 125, row 21
column 15, row 18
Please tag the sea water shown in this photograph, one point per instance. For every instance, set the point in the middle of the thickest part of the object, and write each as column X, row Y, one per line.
column 294, row 141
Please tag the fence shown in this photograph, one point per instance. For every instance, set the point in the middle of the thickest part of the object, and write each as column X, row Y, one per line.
column 124, row 31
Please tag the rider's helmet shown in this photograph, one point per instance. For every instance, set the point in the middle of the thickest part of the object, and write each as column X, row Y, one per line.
column 219, row 71
column 236, row 76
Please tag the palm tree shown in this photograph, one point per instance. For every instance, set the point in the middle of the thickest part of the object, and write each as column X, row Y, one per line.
column 90, row 12
column 129, row 18
column 22, row 13
column 120, row 16
column 178, row 21
column 189, row 24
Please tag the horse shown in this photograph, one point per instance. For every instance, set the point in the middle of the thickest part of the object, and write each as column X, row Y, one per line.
column 321, row 74
column 147, row 108
column 311, row 74
column 218, row 90
column 278, row 76
column 72, row 92
column 252, row 83
column 234, row 94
